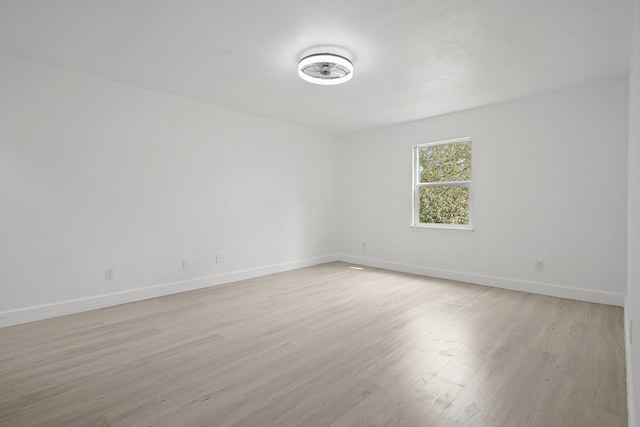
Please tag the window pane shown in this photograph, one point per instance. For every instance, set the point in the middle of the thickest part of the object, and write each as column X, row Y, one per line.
column 444, row 205
column 445, row 162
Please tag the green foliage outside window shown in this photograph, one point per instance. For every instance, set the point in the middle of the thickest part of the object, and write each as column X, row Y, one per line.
column 446, row 204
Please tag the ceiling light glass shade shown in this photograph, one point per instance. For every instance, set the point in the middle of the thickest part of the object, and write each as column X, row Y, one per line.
column 325, row 69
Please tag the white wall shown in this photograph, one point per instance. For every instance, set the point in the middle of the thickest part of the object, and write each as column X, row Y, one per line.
column 96, row 174
column 632, row 307
column 549, row 176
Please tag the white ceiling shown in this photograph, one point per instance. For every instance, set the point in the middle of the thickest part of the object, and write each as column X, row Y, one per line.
column 412, row 58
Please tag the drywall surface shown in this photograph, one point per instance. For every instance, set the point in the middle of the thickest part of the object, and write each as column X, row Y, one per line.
column 549, row 183
column 632, row 307
column 97, row 175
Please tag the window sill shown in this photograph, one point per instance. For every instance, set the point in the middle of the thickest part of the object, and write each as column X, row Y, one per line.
column 466, row 228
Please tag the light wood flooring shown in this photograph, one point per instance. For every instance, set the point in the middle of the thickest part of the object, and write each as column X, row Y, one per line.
column 321, row 346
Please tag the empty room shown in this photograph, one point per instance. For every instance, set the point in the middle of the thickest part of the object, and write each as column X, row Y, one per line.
column 319, row 213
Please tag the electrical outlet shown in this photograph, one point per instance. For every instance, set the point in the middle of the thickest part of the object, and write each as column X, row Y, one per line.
column 185, row 264
column 219, row 258
column 108, row 274
column 538, row 265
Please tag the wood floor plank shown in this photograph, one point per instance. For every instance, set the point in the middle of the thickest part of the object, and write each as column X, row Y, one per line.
column 321, row 346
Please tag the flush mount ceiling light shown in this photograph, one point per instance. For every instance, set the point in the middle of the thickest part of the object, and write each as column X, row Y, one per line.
column 325, row 68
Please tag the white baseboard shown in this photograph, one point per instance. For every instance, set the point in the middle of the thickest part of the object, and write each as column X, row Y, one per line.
column 61, row 308
column 631, row 408
column 579, row 294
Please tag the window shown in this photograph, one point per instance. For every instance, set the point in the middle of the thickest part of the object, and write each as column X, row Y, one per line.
column 442, row 184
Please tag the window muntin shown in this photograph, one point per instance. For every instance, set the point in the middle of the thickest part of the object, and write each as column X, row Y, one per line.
column 442, row 184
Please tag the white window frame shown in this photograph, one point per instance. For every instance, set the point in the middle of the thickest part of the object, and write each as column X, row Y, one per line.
column 416, row 185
